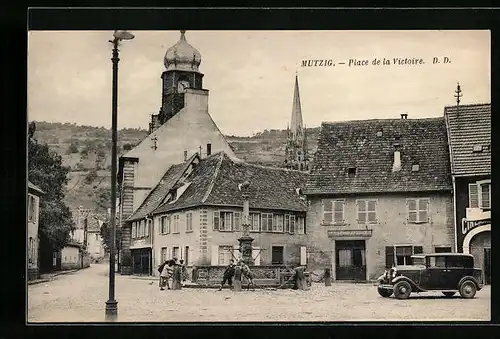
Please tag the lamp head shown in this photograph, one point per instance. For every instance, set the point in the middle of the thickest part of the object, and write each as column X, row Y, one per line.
column 123, row 35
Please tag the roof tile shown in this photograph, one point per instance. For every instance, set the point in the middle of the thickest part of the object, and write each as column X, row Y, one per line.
column 369, row 145
column 469, row 125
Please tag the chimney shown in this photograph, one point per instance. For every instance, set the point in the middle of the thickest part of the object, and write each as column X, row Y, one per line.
column 404, row 116
column 209, row 149
column 185, row 155
column 396, row 166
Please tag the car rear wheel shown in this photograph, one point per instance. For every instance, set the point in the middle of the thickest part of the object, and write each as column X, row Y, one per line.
column 468, row 289
column 449, row 294
column 402, row 290
column 386, row 293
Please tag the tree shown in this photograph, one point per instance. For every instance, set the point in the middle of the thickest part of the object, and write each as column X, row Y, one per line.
column 45, row 170
column 72, row 149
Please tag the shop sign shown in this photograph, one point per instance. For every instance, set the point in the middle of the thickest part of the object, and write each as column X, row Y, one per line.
column 468, row 225
column 349, row 233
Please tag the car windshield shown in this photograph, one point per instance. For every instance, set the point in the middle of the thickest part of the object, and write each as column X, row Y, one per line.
column 418, row 260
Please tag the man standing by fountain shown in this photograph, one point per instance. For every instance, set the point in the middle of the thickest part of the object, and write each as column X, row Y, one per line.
column 228, row 275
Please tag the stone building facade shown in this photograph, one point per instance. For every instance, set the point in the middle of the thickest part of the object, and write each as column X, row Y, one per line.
column 195, row 214
column 379, row 191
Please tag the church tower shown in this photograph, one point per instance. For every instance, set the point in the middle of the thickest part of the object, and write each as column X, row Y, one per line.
column 181, row 63
column 296, row 155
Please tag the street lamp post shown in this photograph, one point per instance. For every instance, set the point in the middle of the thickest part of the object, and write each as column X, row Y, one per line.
column 112, row 304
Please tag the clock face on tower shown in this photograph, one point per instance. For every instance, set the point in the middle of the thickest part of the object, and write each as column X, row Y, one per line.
column 182, row 85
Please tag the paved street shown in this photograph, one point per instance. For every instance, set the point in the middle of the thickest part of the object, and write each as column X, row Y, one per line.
column 80, row 297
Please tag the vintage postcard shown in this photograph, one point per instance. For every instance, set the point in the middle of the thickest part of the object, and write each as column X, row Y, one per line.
column 276, row 176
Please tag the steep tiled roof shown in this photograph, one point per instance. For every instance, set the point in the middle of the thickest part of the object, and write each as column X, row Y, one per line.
column 369, row 145
column 167, row 182
column 469, row 126
column 215, row 181
column 270, row 187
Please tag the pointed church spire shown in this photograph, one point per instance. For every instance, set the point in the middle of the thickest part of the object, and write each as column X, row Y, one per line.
column 296, row 122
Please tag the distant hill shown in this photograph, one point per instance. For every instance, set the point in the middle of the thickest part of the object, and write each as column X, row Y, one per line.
column 87, row 151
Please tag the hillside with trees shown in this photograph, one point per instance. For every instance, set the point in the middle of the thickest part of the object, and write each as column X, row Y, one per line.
column 86, row 151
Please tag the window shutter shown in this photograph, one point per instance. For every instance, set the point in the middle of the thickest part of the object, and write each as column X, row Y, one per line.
column 473, row 196
column 256, row 256
column 418, row 250
column 389, row 256
column 303, row 255
column 216, row 220
column 215, row 256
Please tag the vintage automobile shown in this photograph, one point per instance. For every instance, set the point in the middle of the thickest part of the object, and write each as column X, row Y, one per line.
column 446, row 272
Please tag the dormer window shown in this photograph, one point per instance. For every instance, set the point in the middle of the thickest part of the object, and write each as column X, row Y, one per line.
column 477, row 148
column 177, row 192
column 379, row 133
column 415, row 167
column 351, row 172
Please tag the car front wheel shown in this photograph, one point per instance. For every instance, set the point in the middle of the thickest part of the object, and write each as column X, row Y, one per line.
column 449, row 294
column 468, row 289
column 402, row 290
column 384, row 292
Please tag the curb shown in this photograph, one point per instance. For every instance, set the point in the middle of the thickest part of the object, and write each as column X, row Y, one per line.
column 38, row 281
column 50, row 278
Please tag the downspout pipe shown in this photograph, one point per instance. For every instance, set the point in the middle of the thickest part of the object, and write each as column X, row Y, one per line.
column 151, row 238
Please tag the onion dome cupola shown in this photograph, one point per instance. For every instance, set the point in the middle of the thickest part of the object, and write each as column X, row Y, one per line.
column 182, row 56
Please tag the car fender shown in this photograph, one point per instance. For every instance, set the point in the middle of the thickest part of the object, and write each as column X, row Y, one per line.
column 478, row 285
column 414, row 286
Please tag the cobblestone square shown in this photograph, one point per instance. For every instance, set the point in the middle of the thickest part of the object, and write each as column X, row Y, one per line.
column 81, row 296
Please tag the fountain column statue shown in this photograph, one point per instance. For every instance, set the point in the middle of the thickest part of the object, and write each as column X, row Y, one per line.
column 246, row 240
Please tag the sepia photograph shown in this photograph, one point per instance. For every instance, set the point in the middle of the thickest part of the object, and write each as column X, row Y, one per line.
column 194, row 176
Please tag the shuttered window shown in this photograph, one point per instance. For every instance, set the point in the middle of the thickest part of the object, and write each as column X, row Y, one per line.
column 418, row 210
column 473, row 196
column 333, row 212
column 278, row 223
column 267, row 222
column 367, row 211
column 176, row 224
column 134, row 230
column 300, row 226
column 189, row 221
column 237, row 221
column 485, row 195
column 292, row 224
column 216, row 220
column 255, row 222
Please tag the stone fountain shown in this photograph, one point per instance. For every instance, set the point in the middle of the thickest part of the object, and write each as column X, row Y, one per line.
column 246, row 248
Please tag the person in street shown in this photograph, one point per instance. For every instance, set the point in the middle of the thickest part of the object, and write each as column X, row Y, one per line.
column 162, row 282
column 247, row 274
column 177, row 275
column 183, row 271
column 228, row 276
column 167, row 273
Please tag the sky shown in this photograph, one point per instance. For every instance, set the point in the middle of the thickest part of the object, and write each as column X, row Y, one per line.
column 250, row 75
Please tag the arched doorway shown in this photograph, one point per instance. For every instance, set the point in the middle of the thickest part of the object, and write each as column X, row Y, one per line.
column 478, row 243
